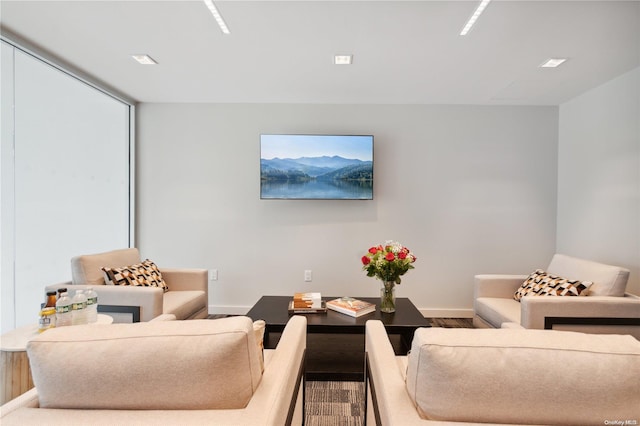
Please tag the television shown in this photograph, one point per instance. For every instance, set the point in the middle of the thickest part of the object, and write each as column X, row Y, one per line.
column 316, row 167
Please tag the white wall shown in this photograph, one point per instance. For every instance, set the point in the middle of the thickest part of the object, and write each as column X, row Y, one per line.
column 599, row 175
column 469, row 189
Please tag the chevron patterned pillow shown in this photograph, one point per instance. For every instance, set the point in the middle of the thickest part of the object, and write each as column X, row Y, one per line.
column 145, row 274
column 541, row 283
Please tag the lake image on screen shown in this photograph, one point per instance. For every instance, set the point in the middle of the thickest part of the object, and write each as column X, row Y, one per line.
column 316, row 167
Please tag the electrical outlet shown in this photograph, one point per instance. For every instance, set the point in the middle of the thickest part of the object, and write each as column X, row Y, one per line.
column 307, row 275
column 213, row 275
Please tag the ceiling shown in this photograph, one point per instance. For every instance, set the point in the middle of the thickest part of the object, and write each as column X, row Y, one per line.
column 405, row 52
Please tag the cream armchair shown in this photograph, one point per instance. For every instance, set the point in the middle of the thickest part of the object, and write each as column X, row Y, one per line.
column 187, row 297
column 606, row 308
column 500, row 376
column 202, row 372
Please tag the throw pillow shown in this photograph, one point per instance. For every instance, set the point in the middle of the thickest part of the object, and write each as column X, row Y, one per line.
column 145, row 274
column 541, row 283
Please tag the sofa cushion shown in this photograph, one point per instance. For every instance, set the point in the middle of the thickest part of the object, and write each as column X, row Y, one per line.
column 85, row 269
column 541, row 283
column 165, row 365
column 608, row 280
column 496, row 310
column 523, row 376
column 184, row 304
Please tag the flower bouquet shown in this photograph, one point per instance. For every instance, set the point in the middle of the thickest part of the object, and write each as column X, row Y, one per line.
column 388, row 263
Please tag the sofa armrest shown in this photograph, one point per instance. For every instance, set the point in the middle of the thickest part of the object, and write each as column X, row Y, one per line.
column 501, row 286
column 149, row 299
column 272, row 402
column 386, row 380
column 28, row 399
column 185, row 279
column 65, row 284
column 536, row 309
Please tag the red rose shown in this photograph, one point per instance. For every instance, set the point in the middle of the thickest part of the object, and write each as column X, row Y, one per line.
column 373, row 250
column 402, row 255
column 366, row 260
column 390, row 257
column 413, row 258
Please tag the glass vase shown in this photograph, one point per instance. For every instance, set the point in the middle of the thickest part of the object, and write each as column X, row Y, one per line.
column 388, row 297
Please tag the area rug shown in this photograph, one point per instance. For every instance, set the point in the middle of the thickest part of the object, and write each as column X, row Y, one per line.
column 334, row 403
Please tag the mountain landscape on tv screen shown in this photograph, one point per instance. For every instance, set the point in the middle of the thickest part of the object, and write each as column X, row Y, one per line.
column 315, row 168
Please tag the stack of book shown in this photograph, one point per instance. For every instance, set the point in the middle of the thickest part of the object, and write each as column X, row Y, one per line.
column 307, row 303
column 350, row 306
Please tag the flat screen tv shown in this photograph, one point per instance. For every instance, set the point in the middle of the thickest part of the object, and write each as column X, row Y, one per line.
column 316, row 167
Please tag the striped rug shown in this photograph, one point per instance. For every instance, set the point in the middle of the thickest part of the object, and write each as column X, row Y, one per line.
column 334, row 403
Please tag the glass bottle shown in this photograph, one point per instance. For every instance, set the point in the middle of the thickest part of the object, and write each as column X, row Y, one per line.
column 51, row 300
column 47, row 318
column 60, row 291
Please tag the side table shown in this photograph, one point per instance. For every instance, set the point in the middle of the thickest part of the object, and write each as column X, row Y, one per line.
column 14, row 363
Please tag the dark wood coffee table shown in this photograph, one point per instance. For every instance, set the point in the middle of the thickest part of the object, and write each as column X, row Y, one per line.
column 335, row 341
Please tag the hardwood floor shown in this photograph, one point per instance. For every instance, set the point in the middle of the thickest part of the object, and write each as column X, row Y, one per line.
column 451, row 322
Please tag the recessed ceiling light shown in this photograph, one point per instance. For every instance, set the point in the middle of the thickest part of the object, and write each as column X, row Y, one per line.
column 214, row 11
column 144, row 59
column 343, row 59
column 553, row 62
column 481, row 7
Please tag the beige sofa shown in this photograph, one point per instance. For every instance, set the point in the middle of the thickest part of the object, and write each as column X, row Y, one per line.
column 605, row 309
column 162, row 373
column 186, row 298
column 502, row 376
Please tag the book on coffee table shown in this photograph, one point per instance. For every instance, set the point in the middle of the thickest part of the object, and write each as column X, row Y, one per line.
column 307, row 300
column 307, row 303
column 350, row 306
column 322, row 309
